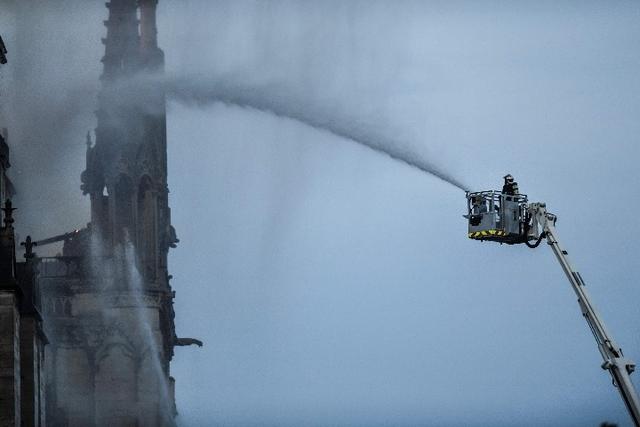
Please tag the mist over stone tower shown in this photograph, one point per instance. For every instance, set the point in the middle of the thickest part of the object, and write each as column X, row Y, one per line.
column 109, row 301
column 126, row 174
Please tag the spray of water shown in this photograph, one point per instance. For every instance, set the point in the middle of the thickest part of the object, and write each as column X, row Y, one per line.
column 276, row 99
column 151, row 343
column 273, row 99
column 119, row 272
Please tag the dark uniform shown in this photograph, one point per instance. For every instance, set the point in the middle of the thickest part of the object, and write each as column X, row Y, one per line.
column 510, row 186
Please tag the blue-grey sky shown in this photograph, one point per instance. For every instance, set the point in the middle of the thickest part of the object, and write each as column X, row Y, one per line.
column 335, row 286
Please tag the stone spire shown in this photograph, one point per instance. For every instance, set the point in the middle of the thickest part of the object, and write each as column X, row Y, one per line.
column 152, row 56
column 122, row 40
column 148, row 28
column 126, row 174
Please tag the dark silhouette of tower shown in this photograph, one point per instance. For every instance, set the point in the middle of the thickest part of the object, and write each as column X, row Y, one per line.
column 108, row 300
column 126, row 175
column 22, row 340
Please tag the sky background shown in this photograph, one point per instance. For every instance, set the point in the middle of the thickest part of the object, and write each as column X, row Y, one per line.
column 331, row 284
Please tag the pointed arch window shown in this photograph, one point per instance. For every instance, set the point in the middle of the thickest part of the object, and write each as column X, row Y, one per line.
column 147, row 229
column 124, row 213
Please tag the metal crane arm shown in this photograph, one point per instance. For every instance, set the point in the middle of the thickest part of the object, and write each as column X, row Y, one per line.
column 620, row 368
column 58, row 238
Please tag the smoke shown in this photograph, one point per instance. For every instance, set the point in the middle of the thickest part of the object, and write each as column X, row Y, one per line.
column 52, row 81
column 47, row 99
column 117, row 352
column 119, row 273
column 474, row 75
column 274, row 98
column 149, row 333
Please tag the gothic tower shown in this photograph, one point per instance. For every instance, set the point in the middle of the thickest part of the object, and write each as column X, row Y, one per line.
column 126, row 175
column 108, row 300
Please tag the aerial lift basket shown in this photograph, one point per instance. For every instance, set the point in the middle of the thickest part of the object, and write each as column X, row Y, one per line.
column 498, row 217
column 507, row 217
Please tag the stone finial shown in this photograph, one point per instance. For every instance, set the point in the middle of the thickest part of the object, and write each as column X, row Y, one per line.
column 8, row 213
column 3, row 52
column 28, row 247
column 148, row 26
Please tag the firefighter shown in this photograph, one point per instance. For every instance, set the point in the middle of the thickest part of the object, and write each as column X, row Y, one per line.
column 510, row 186
column 475, row 205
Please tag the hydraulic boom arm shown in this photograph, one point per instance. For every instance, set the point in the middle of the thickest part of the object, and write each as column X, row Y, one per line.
column 620, row 368
column 506, row 217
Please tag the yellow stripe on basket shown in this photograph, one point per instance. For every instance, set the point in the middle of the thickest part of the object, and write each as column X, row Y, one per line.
column 487, row 233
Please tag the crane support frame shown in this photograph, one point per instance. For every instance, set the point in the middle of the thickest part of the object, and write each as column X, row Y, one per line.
column 507, row 217
column 614, row 361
